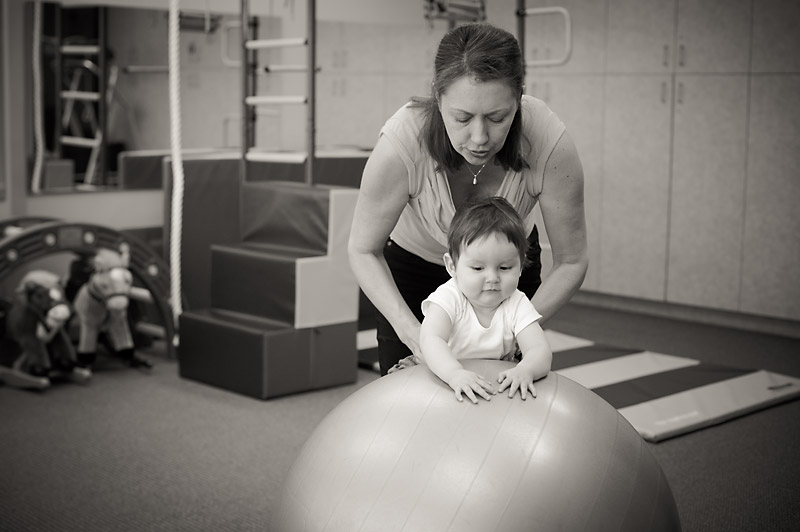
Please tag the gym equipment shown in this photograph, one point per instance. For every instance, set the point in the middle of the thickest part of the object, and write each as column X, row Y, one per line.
column 283, row 303
column 402, row 454
column 662, row 395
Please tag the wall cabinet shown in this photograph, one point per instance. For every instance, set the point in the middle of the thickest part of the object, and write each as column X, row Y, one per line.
column 713, row 36
column 635, row 194
column 545, row 35
column 771, row 242
column 641, row 36
column 775, row 36
column 699, row 173
column 707, row 193
column 580, row 111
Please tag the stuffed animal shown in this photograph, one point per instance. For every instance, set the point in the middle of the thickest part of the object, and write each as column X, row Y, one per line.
column 101, row 307
column 36, row 348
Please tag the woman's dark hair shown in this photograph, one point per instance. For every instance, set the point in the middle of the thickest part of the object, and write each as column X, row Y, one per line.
column 483, row 52
column 488, row 216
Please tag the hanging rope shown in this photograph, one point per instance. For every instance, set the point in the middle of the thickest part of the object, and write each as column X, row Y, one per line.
column 38, row 132
column 176, row 223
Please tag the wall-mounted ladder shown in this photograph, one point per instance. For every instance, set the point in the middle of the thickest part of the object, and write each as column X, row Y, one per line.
column 91, row 87
column 251, row 99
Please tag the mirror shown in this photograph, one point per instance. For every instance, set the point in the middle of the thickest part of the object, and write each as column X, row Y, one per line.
column 106, row 108
column 2, row 115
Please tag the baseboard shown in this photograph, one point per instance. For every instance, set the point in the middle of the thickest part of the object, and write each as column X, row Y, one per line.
column 721, row 318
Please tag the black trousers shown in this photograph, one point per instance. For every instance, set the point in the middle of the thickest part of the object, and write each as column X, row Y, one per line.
column 417, row 278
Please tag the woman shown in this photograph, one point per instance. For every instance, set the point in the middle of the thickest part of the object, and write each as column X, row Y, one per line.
column 477, row 136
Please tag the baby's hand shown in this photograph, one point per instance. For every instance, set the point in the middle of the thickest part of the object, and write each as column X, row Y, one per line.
column 518, row 377
column 470, row 383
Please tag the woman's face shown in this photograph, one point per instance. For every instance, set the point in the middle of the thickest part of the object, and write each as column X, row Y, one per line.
column 477, row 116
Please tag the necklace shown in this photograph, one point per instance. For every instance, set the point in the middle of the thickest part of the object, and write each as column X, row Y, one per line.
column 475, row 174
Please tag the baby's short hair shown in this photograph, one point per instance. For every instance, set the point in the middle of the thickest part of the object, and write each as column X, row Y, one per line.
column 485, row 217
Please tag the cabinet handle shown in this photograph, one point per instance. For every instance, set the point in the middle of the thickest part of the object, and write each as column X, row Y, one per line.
column 681, row 55
column 663, row 92
column 665, row 59
column 680, row 92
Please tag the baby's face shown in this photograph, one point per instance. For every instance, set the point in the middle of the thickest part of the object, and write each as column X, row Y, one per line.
column 488, row 270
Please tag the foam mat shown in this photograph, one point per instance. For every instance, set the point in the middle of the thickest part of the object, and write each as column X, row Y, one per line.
column 662, row 395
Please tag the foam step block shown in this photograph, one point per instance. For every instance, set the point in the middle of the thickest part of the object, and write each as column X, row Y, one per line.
column 340, row 166
column 286, row 214
column 256, row 279
column 325, row 289
column 264, row 358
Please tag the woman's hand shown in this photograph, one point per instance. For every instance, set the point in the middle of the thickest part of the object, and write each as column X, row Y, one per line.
column 466, row 382
column 409, row 362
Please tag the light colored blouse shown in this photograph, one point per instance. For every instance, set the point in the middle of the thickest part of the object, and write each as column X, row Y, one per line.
column 423, row 224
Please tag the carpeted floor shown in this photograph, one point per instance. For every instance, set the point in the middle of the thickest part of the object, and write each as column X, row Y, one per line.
column 138, row 451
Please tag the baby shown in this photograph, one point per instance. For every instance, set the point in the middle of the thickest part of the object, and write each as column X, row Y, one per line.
column 479, row 312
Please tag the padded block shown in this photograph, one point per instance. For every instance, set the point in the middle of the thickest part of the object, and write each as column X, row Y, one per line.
column 58, row 173
column 292, row 279
column 258, row 280
column 331, row 167
column 141, row 170
column 210, row 216
column 327, row 291
column 264, row 358
column 286, row 214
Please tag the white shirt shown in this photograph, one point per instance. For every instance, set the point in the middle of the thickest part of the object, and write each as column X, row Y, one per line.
column 470, row 339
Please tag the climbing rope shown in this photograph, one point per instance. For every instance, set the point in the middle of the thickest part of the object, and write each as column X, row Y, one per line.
column 38, row 132
column 176, row 223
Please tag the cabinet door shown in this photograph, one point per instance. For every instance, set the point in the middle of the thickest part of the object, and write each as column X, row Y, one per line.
column 635, row 191
column 713, row 36
column 771, row 258
column 545, row 36
column 574, row 98
column 707, row 197
column 641, row 35
column 776, row 40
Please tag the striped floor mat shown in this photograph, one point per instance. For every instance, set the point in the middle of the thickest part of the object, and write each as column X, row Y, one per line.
column 662, row 396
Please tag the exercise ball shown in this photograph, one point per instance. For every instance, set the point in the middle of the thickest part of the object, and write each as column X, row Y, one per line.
column 402, row 454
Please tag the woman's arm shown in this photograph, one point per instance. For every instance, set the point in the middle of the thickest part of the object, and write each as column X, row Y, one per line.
column 382, row 197
column 561, row 202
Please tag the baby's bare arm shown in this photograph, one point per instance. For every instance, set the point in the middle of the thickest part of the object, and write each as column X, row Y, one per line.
column 537, row 357
column 439, row 358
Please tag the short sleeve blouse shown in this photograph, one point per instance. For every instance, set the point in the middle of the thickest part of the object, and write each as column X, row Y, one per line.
column 423, row 224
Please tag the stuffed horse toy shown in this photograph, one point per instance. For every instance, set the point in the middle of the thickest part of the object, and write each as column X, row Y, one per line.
column 36, row 337
column 101, row 306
